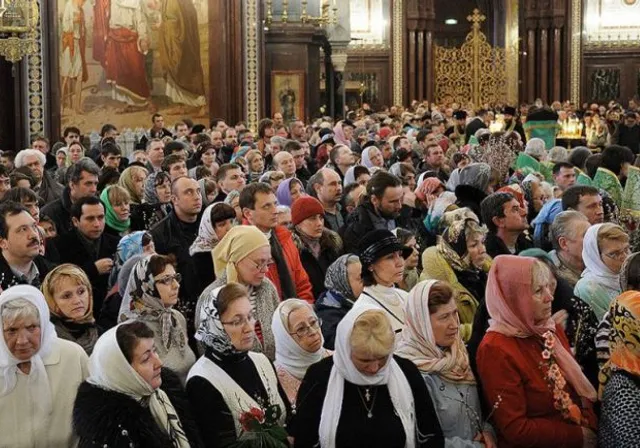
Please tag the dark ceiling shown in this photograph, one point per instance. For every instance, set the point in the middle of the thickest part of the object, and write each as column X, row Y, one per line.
column 453, row 35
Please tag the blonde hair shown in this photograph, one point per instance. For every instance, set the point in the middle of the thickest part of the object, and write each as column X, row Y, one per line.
column 126, row 181
column 541, row 274
column 252, row 154
column 372, row 334
column 118, row 195
column 611, row 232
column 473, row 230
column 52, row 280
column 288, row 307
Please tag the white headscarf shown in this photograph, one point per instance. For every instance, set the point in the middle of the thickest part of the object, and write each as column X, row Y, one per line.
column 595, row 269
column 39, row 389
column 109, row 369
column 289, row 355
column 365, row 159
column 344, row 370
column 207, row 238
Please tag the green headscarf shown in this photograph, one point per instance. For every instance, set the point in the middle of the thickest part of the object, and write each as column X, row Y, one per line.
column 110, row 215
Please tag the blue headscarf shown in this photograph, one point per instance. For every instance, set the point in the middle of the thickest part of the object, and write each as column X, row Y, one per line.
column 547, row 214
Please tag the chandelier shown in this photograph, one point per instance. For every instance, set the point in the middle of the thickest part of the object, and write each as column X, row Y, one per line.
column 328, row 13
column 18, row 26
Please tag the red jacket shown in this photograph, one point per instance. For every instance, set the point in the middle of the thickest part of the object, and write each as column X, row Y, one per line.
column 298, row 274
column 510, row 367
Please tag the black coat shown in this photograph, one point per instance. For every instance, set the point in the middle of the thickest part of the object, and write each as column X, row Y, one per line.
column 9, row 279
column 472, row 127
column 354, row 429
column 60, row 213
column 105, row 418
column 145, row 216
column 331, row 307
column 470, row 197
column 203, row 262
column 72, row 250
column 316, row 268
column 628, row 136
column 363, row 220
column 495, row 246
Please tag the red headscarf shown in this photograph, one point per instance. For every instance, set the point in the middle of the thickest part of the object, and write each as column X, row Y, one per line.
column 517, row 194
column 509, row 298
column 428, row 186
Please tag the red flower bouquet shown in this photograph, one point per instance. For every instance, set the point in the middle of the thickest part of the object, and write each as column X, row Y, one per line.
column 261, row 428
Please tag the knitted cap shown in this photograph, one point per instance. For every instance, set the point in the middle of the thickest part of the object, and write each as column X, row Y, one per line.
column 305, row 207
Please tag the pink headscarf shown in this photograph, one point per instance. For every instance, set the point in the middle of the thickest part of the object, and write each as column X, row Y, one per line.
column 338, row 135
column 427, row 187
column 510, row 305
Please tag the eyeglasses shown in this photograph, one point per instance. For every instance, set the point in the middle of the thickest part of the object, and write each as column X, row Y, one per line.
column 261, row 265
column 312, row 326
column 619, row 254
column 241, row 321
column 169, row 279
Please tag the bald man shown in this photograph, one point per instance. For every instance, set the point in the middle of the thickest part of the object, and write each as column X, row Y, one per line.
column 283, row 161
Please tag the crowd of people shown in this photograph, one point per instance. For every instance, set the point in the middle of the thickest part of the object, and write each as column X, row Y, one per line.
column 399, row 278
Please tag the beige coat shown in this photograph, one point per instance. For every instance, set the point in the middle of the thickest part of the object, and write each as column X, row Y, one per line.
column 24, row 426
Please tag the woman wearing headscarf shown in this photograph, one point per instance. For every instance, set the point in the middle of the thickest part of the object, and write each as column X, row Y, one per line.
column 244, row 256
column 153, row 287
column 460, row 259
column 431, row 340
column 363, row 395
column 343, row 283
column 372, row 157
column 382, row 257
column 299, row 343
column 233, row 199
column 157, row 202
column 217, row 220
column 620, row 376
column 540, row 396
column 604, row 249
column 117, row 213
column 356, row 174
column 229, row 379
column 473, row 186
column 39, row 373
column 289, row 191
column 130, row 399
column 68, row 293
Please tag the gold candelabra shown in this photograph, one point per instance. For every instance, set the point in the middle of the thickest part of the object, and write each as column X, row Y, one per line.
column 328, row 13
column 498, row 124
column 571, row 129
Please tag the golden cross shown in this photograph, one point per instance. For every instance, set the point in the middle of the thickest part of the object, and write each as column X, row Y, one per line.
column 476, row 18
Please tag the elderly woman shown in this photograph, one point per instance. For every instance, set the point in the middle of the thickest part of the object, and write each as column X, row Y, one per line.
column 116, row 202
column 431, row 340
column 229, row 379
column 620, row 377
column 289, row 191
column 604, row 250
column 129, row 399
column 153, row 288
column 540, row 396
column 372, row 157
column 157, row 202
column 343, row 283
column 39, row 373
column 233, row 199
column 296, row 329
column 383, row 257
column 363, row 396
column 217, row 220
column 243, row 256
column 68, row 293
column 461, row 260
column 318, row 246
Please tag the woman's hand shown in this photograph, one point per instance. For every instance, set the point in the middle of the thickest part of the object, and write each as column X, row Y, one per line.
column 560, row 318
column 486, row 438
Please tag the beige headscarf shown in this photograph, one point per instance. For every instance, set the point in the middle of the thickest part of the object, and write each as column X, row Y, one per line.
column 418, row 344
column 239, row 242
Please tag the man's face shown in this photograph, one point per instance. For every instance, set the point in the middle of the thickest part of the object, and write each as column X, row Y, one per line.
column 390, row 204
column 265, row 213
column 404, row 143
column 111, row 160
column 91, row 223
column 216, row 139
column 178, row 169
column 233, row 180
column 269, row 132
column 182, row 131
column 156, row 153
column 591, row 207
column 221, row 126
column 565, row 178
column 286, row 164
column 248, row 136
column 72, row 137
column 186, row 197
column 387, row 152
column 41, row 146
column 515, row 217
column 111, row 133
column 277, row 119
column 86, row 186
column 35, row 166
column 231, row 138
column 330, row 192
column 23, row 239
column 630, row 121
column 298, row 158
column 345, row 157
column 6, row 161
column 573, row 246
column 435, row 156
column 158, row 123
column 297, row 129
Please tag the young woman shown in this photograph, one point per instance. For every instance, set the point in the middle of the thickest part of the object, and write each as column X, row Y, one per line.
column 116, row 202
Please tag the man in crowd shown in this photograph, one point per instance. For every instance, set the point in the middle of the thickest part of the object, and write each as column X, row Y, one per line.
column 71, row 135
column 89, row 247
column 265, row 132
column 342, row 159
column 157, row 130
column 155, row 155
column 45, row 187
column 230, row 177
column 111, row 154
column 297, row 130
column 283, row 161
column 259, row 208
column 83, row 182
column 175, row 165
column 564, row 175
column 627, row 133
column 567, row 235
column 326, row 186
column 298, row 153
column 434, row 161
column 586, row 200
column 41, row 144
column 506, row 221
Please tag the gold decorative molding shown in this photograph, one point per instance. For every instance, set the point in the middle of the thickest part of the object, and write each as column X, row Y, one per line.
column 252, row 24
column 576, row 49
column 512, row 47
column 397, row 36
column 35, row 76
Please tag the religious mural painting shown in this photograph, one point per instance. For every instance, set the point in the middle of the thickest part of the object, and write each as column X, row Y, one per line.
column 127, row 59
column 287, row 94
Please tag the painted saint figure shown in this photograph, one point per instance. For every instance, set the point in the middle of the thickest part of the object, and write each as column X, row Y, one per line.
column 73, row 66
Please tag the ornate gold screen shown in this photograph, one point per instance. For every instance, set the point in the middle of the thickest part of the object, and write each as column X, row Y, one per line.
column 475, row 72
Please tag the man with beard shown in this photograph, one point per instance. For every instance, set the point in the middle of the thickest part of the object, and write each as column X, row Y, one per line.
column 379, row 210
column 326, row 186
column 457, row 132
column 512, row 123
column 628, row 133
